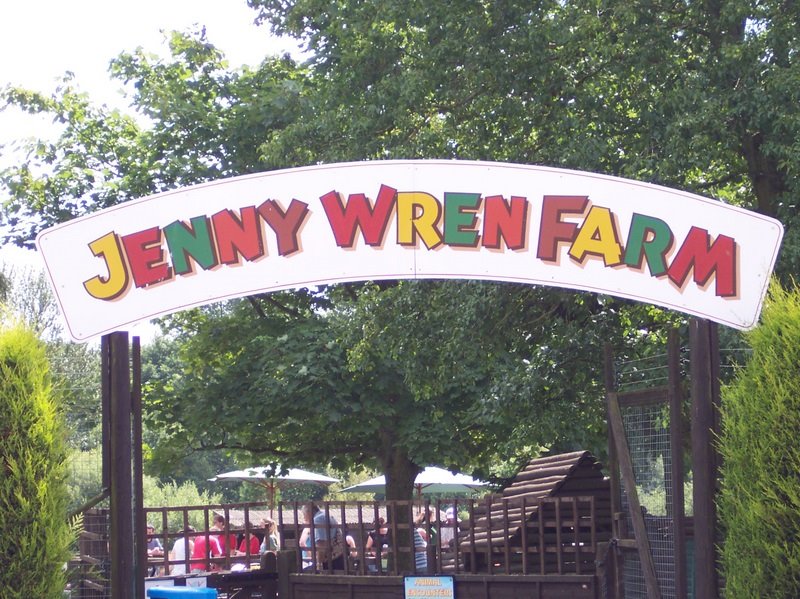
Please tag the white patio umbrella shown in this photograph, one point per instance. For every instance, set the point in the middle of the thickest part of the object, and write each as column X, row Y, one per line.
column 432, row 480
column 270, row 479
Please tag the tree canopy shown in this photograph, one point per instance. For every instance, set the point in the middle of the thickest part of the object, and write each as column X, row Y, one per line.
column 696, row 95
column 392, row 377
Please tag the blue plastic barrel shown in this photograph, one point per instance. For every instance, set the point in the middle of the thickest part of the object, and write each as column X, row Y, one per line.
column 181, row 592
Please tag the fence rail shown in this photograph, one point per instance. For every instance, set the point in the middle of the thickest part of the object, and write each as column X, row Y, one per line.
column 546, row 535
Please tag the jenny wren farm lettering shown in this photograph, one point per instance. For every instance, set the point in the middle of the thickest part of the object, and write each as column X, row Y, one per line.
column 569, row 226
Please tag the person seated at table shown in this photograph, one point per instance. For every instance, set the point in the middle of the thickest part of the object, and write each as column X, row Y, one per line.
column 427, row 521
column 449, row 528
column 250, row 544
column 378, row 541
column 378, row 538
column 182, row 547
column 420, row 553
column 226, row 542
column 351, row 545
column 328, row 540
column 352, row 550
column 270, row 542
column 305, row 547
column 202, row 550
column 154, row 548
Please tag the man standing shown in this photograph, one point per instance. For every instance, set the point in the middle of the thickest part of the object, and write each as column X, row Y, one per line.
column 327, row 539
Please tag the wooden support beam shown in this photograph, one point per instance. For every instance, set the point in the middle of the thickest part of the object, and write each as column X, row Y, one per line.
column 704, row 351
column 140, row 522
column 609, row 380
column 675, row 507
column 629, row 482
column 121, row 534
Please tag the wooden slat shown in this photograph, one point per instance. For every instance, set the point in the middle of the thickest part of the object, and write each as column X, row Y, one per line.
column 576, row 535
column 644, row 397
column 540, row 517
column 524, row 530
column 546, row 483
column 558, row 469
column 559, row 542
column 507, row 537
column 561, row 457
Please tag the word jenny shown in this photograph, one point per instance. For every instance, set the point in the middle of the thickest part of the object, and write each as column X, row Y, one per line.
column 460, row 220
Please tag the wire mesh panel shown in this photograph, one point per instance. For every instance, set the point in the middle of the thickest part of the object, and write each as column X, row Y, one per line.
column 76, row 376
column 646, row 420
column 647, row 429
column 90, row 570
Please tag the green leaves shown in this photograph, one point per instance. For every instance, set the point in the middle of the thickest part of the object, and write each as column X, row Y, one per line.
column 393, row 376
column 692, row 96
column 197, row 122
column 760, row 497
column 696, row 96
column 35, row 537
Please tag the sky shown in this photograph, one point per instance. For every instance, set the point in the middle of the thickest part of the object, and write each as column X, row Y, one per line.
column 40, row 40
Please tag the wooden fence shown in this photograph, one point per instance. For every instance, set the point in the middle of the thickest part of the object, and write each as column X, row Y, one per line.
column 550, row 535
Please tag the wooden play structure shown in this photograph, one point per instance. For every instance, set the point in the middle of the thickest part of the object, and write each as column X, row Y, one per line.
column 549, row 520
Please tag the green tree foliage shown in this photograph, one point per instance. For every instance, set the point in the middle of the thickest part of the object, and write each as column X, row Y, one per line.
column 760, row 498
column 34, row 534
column 161, row 375
column 692, row 95
column 392, row 377
column 74, row 368
column 205, row 122
column 158, row 494
column 29, row 299
column 696, row 95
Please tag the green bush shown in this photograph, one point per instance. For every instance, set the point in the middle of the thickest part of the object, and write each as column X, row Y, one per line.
column 759, row 504
column 34, row 533
column 157, row 494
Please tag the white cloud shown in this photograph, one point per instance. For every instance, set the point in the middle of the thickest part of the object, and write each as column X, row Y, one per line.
column 41, row 40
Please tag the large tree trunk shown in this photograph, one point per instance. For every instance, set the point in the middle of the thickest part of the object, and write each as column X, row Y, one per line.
column 400, row 473
column 768, row 180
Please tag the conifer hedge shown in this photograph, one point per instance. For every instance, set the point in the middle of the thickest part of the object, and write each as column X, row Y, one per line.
column 759, row 504
column 34, row 532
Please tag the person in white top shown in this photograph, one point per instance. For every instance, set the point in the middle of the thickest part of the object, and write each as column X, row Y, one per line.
column 180, row 549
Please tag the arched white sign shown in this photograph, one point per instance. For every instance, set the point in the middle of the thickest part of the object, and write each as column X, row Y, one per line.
column 403, row 220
